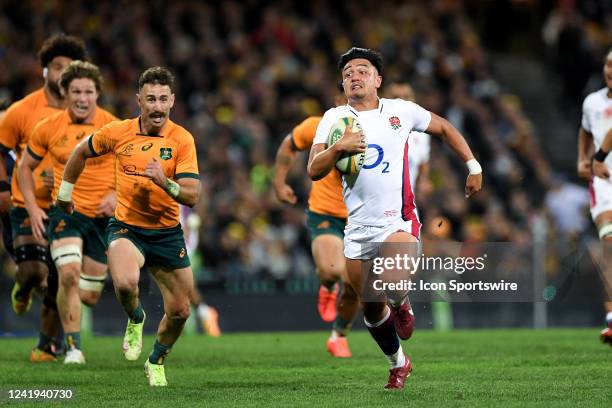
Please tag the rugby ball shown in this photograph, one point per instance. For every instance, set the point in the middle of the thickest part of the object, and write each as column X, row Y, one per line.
column 347, row 163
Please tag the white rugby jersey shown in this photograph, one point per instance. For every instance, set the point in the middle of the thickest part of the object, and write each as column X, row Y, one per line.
column 417, row 154
column 192, row 239
column 382, row 192
column 597, row 118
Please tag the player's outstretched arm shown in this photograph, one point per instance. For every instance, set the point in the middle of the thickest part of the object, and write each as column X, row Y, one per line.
column 453, row 138
column 598, row 166
column 72, row 171
column 585, row 154
column 25, row 174
column 322, row 159
column 185, row 191
column 285, row 157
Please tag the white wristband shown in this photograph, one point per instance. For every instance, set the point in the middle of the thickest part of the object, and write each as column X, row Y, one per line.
column 65, row 191
column 473, row 166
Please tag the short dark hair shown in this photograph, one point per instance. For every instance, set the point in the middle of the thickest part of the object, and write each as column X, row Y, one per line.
column 156, row 75
column 80, row 69
column 373, row 56
column 62, row 45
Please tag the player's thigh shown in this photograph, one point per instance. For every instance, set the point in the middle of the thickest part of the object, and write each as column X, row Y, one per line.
column 327, row 251
column 31, row 256
column 124, row 261
column 20, row 240
column 603, row 218
column 357, row 272
column 399, row 245
column 91, row 282
column 176, row 285
column 91, row 267
column 603, row 221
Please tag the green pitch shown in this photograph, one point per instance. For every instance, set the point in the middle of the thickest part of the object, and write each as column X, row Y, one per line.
column 565, row 367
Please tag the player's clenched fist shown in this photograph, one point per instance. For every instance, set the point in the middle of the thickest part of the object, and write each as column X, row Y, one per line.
column 155, row 172
column 473, row 184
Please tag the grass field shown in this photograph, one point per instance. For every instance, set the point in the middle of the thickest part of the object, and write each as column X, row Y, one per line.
column 564, row 367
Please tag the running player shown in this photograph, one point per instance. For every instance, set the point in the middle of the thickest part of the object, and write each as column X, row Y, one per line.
column 32, row 254
column 78, row 245
column 207, row 315
column 156, row 169
column 379, row 199
column 326, row 219
column 596, row 124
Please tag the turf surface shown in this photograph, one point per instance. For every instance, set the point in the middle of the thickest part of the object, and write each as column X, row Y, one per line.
column 564, row 367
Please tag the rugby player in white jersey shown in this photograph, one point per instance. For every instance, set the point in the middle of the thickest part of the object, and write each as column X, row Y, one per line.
column 596, row 124
column 379, row 199
column 208, row 315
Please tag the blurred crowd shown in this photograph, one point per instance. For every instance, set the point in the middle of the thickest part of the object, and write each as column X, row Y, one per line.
column 250, row 71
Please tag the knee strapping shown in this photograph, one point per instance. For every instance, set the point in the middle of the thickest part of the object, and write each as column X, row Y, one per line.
column 31, row 252
column 92, row 283
column 66, row 254
column 605, row 230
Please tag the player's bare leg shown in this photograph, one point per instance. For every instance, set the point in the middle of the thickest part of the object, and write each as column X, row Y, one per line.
column 604, row 226
column 208, row 315
column 379, row 320
column 348, row 306
column 124, row 262
column 91, row 282
column 67, row 255
column 175, row 286
column 327, row 251
column 32, row 270
column 400, row 243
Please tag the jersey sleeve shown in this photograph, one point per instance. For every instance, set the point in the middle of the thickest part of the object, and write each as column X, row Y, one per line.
column 187, row 160
column 324, row 126
column 419, row 116
column 38, row 142
column 304, row 133
column 104, row 140
column 10, row 128
column 585, row 122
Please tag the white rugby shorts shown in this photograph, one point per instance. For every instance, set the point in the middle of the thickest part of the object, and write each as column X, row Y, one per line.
column 363, row 241
column 600, row 191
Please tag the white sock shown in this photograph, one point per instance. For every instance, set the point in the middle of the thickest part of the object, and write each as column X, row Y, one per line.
column 202, row 311
column 398, row 359
column 334, row 335
column 609, row 317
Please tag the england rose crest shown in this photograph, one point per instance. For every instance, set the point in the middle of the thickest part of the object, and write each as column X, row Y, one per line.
column 395, row 122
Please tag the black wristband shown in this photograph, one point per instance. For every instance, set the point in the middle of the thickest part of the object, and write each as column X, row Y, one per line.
column 4, row 186
column 600, row 155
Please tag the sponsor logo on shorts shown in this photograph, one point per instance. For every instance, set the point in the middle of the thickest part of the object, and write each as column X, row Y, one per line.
column 324, row 225
column 165, row 153
column 26, row 223
column 60, row 227
column 182, row 253
column 121, row 231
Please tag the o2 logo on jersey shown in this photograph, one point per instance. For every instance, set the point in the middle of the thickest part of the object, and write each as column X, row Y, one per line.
column 379, row 159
